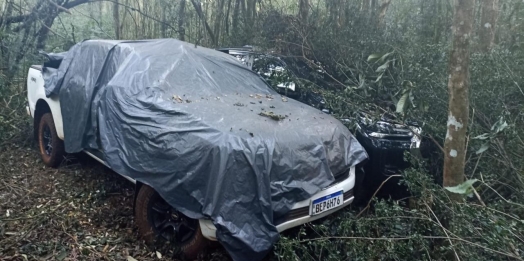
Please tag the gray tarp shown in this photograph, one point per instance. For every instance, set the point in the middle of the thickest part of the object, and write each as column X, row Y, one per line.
column 185, row 120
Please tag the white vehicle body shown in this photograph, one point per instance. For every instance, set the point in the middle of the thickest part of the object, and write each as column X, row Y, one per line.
column 301, row 212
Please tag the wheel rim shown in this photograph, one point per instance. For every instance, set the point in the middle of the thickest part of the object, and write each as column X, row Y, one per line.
column 168, row 223
column 47, row 140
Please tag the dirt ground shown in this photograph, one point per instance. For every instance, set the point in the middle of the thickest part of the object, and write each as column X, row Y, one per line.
column 80, row 211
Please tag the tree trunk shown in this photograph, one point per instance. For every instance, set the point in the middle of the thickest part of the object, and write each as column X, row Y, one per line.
column 249, row 20
column 303, row 10
column 364, row 6
column 514, row 25
column 236, row 12
column 116, row 19
column 373, row 4
column 181, row 20
column 44, row 32
column 490, row 13
column 218, row 20
column 226, row 20
column 382, row 12
column 198, row 9
column 163, row 26
column 458, row 85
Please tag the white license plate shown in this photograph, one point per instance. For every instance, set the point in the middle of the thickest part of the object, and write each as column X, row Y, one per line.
column 326, row 203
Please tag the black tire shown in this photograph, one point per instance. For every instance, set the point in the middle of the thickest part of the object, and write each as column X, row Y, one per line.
column 51, row 147
column 145, row 218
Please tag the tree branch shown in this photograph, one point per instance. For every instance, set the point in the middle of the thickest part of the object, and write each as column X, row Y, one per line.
column 61, row 8
column 198, row 9
column 138, row 11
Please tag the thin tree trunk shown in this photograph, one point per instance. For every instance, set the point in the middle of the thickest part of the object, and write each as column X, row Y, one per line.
column 373, row 5
column 163, row 26
column 44, row 33
column 218, row 20
column 490, row 13
column 226, row 21
column 364, row 6
column 438, row 24
column 382, row 12
column 249, row 22
column 198, row 9
column 514, row 25
column 236, row 12
column 303, row 10
column 181, row 20
column 458, row 85
column 116, row 19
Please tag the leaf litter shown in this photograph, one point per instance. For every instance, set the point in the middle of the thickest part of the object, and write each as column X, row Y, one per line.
column 80, row 211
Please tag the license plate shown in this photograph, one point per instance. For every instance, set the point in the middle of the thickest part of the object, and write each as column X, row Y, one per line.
column 326, row 203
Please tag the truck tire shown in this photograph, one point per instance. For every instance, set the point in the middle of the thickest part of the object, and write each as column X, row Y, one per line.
column 157, row 220
column 51, row 147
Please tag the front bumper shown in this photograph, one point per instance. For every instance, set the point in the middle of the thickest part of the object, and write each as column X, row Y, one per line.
column 300, row 213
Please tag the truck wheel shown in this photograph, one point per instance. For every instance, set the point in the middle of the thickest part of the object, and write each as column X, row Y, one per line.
column 51, row 147
column 157, row 220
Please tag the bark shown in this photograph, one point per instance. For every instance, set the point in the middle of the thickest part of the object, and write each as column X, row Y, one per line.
column 44, row 32
column 218, row 20
column 198, row 9
column 163, row 26
column 438, row 23
column 373, row 4
column 34, row 24
column 7, row 8
column 226, row 21
column 38, row 9
column 250, row 15
column 382, row 12
column 116, row 19
column 364, row 6
column 303, row 10
column 490, row 13
column 182, row 20
column 458, row 85
column 236, row 16
column 236, row 12
column 514, row 24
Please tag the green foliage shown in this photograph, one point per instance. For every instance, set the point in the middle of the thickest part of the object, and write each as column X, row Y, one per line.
column 341, row 53
column 394, row 231
column 464, row 189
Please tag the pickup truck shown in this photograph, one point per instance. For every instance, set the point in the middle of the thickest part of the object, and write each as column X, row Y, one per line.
column 155, row 218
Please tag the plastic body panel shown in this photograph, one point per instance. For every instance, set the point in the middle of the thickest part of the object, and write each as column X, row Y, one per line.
column 36, row 92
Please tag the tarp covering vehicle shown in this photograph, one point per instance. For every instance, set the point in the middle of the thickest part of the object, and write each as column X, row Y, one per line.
column 208, row 134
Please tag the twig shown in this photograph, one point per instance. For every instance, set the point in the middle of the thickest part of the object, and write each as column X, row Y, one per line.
column 40, row 214
column 376, row 191
column 507, row 201
column 52, row 31
column 436, row 143
column 478, row 196
column 59, row 7
column 407, row 238
column 443, row 229
column 138, row 11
